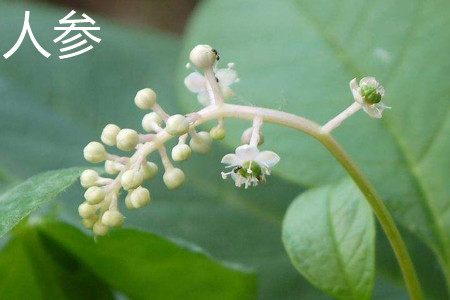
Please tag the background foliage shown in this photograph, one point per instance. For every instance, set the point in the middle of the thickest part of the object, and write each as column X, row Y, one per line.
column 294, row 55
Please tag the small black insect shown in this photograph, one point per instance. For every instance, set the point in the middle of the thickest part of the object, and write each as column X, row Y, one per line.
column 217, row 79
column 237, row 169
column 216, row 53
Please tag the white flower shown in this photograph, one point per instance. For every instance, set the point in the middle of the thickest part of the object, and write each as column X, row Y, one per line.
column 369, row 93
column 196, row 83
column 250, row 166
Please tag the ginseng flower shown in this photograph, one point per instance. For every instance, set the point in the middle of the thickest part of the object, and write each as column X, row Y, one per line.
column 249, row 165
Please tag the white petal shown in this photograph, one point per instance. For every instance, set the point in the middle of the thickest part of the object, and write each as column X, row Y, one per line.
column 373, row 111
column 226, row 76
column 246, row 153
column 380, row 90
column 203, row 98
column 268, row 158
column 230, row 159
column 195, row 82
column 369, row 81
column 354, row 87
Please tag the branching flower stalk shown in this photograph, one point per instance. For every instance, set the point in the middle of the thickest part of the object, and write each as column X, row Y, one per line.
column 248, row 166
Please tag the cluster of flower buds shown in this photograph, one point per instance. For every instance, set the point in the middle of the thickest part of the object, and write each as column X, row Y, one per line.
column 248, row 165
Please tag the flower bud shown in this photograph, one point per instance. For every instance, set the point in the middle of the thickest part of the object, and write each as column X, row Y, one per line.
column 132, row 179
column 217, row 133
column 149, row 170
column 109, row 134
column 145, row 99
column 127, row 139
column 181, row 152
column 86, row 210
column 173, row 178
column 247, row 136
column 112, row 167
column 203, row 56
column 89, row 222
column 128, row 203
column 94, row 195
column 88, row 178
column 201, row 143
column 177, row 125
column 150, row 119
column 140, row 197
column 94, row 152
column 100, row 229
column 112, row 218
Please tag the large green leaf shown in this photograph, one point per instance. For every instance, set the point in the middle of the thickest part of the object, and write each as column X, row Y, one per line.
column 329, row 234
column 299, row 56
column 146, row 266
column 24, row 198
column 34, row 268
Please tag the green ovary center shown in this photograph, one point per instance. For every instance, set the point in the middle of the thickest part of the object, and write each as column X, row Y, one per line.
column 250, row 169
column 370, row 94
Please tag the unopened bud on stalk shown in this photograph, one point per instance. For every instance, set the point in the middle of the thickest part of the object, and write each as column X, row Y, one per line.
column 89, row 222
column 201, row 142
column 145, row 99
column 150, row 119
column 203, row 56
column 139, row 197
column 112, row 167
column 88, row 178
column 94, row 152
column 112, row 218
column 181, row 152
column 173, row 178
column 149, row 170
column 109, row 134
column 132, row 179
column 86, row 210
column 127, row 139
column 100, row 229
column 177, row 125
column 94, row 195
column 218, row 133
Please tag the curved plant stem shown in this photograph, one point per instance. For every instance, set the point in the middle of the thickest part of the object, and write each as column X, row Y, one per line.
column 315, row 130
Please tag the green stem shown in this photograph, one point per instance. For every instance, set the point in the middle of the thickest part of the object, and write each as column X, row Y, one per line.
column 315, row 130
column 382, row 213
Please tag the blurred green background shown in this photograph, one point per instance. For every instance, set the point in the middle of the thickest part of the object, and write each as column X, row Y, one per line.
column 297, row 56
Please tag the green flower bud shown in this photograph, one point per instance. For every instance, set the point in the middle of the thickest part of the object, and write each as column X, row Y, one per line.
column 370, row 94
column 201, row 143
column 173, row 178
column 177, row 125
column 94, row 195
column 218, row 133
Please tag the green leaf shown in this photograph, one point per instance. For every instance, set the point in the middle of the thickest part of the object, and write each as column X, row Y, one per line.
column 35, row 268
column 329, row 234
column 299, row 56
column 143, row 265
column 24, row 198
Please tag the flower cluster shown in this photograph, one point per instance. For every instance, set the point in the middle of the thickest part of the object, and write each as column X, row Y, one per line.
column 100, row 210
